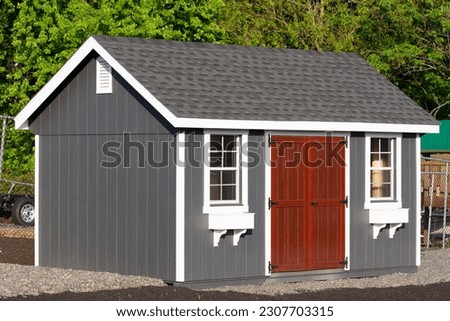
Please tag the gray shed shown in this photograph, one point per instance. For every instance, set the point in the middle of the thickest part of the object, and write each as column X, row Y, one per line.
column 208, row 164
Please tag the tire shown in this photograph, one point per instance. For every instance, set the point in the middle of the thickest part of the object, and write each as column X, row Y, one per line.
column 23, row 211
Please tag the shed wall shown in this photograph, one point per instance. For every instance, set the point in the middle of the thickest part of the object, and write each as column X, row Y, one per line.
column 203, row 260
column 119, row 219
column 366, row 252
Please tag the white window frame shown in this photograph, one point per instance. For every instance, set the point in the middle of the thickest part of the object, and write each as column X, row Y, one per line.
column 236, row 168
column 395, row 201
column 233, row 206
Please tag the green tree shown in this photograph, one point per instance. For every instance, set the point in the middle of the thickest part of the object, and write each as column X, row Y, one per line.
column 409, row 42
column 40, row 35
column 303, row 24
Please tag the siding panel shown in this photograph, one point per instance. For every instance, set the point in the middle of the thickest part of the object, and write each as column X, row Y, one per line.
column 365, row 252
column 104, row 219
column 203, row 260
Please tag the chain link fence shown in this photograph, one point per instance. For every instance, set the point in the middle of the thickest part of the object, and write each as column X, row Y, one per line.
column 435, row 201
column 12, row 230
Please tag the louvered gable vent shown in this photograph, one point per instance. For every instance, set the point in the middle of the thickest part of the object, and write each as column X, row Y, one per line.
column 104, row 77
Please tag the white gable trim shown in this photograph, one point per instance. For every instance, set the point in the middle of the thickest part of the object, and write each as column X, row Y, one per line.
column 91, row 44
column 21, row 120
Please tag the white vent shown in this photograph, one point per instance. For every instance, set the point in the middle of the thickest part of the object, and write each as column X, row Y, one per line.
column 104, row 77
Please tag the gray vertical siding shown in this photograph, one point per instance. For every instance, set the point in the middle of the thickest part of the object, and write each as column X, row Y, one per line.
column 365, row 252
column 203, row 260
column 104, row 219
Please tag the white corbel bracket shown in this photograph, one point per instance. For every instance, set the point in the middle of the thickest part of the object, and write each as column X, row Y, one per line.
column 217, row 235
column 376, row 229
column 236, row 236
column 392, row 229
column 238, row 222
column 394, row 218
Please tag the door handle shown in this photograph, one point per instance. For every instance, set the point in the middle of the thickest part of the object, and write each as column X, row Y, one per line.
column 314, row 203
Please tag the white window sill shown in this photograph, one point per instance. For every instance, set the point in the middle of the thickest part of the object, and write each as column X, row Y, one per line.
column 383, row 205
column 395, row 218
column 225, row 209
column 219, row 223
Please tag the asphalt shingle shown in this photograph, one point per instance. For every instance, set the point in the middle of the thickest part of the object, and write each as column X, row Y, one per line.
column 211, row 81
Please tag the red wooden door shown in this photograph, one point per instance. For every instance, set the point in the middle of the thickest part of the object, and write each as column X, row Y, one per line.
column 308, row 193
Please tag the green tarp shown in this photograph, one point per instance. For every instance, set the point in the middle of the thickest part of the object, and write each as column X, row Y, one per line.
column 436, row 143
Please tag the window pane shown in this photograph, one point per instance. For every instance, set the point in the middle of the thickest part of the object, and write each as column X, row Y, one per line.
column 229, row 193
column 386, row 176
column 229, row 142
column 214, row 193
column 229, row 177
column 216, row 142
column 374, row 158
column 385, row 144
column 374, row 144
column 215, row 159
column 386, row 160
column 230, row 159
column 214, row 177
column 386, row 190
column 375, row 191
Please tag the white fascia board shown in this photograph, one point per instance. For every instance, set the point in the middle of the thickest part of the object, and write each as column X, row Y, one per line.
column 36, row 200
column 21, row 120
column 304, row 125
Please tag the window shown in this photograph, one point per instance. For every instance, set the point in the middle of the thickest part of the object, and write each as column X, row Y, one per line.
column 382, row 168
column 225, row 172
column 224, row 168
column 383, row 171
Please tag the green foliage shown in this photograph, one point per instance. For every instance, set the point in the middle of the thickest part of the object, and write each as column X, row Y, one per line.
column 406, row 40
column 318, row 25
column 38, row 37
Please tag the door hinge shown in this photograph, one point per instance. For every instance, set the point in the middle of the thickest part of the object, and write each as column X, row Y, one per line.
column 344, row 201
column 345, row 262
column 271, row 267
column 271, row 203
column 345, row 142
column 271, row 141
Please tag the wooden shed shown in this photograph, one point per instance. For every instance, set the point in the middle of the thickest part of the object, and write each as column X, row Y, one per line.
column 209, row 164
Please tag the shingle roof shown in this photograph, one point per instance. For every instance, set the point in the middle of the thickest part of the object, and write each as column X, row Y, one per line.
column 211, row 81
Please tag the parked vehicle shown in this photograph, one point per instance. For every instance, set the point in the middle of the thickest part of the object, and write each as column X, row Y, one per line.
column 20, row 208
column 17, row 206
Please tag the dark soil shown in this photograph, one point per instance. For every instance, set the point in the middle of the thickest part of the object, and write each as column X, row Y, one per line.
column 16, row 250
column 433, row 292
column 21, row 251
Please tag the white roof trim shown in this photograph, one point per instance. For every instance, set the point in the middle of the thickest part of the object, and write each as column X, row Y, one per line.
column 21, row 120
column 305, row 126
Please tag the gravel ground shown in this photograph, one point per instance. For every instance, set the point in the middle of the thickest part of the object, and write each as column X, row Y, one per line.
column 434, row 268
column 24, row 282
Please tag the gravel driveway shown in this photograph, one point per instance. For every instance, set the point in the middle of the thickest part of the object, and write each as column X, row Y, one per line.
column 27, row 280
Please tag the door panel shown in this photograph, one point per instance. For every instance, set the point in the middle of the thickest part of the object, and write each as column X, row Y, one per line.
column 308, row 189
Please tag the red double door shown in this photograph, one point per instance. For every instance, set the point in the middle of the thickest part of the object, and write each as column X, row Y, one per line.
column 307, row 203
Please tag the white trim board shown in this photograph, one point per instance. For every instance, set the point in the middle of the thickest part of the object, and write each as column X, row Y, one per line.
column 347, row 207
column 21, row 120
column 180, row 208
column 268, row 190
column 418, row 205
column 36, row 199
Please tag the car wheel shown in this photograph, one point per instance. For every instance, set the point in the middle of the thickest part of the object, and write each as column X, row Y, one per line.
column 23, row 211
